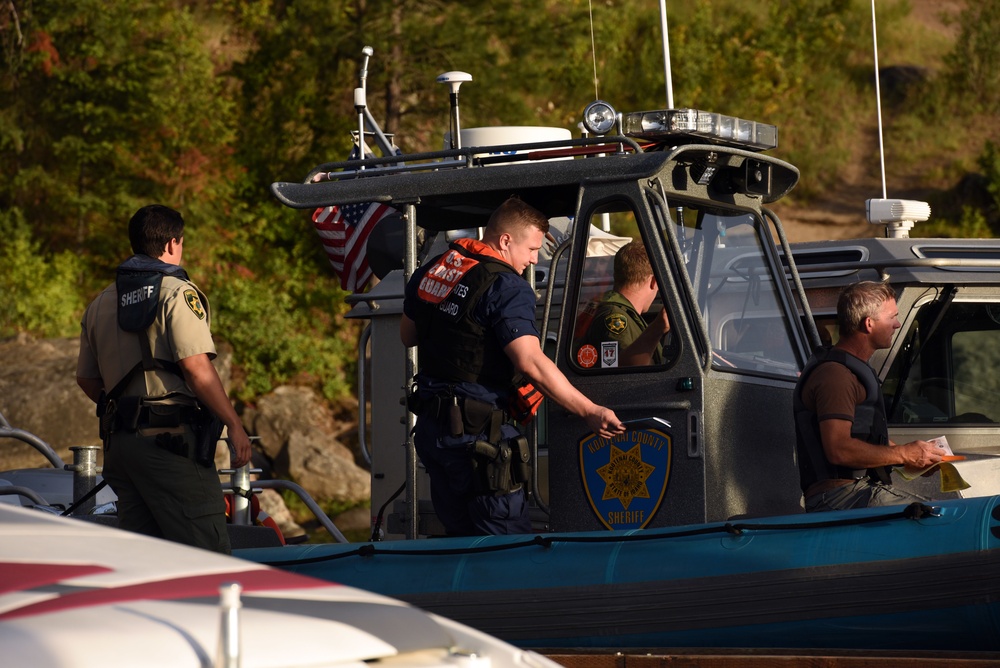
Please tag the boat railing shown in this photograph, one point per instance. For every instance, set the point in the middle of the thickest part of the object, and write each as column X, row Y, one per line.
column 472, row 156
column 240, row 488
column 7, row 431
column 882, row 266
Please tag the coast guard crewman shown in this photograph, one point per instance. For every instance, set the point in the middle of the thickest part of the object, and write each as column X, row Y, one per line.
column 472, row 317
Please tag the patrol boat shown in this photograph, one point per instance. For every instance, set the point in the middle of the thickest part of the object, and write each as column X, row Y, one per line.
column 687, row 530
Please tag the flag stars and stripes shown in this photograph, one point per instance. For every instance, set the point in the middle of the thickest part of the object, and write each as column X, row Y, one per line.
column 344, row 232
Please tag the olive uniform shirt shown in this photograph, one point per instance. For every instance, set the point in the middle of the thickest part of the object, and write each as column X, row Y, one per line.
column 614, row 326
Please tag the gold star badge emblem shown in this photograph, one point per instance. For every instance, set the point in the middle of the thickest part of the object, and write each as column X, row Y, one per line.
column 625, row 476
column 191, row 297
column 616, row 323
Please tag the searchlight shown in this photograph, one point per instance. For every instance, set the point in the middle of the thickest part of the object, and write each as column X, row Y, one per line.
column 898, row 215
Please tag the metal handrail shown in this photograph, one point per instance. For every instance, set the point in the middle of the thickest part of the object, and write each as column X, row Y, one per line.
column 6, row 431
column 460, row 157
column 366, row 335
column 881, row 265
column 311, row 504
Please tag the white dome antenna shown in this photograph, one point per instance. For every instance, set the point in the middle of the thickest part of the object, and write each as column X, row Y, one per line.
column 454, row 81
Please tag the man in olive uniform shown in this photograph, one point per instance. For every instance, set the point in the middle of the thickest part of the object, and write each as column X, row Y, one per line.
column 145, row 358
column 617, row 334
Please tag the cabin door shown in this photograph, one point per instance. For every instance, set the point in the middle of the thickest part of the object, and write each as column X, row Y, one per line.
column 654, row 475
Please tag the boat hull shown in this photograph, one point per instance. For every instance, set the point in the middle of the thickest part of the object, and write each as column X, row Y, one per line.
column 863, row 579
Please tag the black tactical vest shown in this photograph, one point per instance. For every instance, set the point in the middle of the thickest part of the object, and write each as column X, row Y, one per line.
column 454, row 347
column 870, row 424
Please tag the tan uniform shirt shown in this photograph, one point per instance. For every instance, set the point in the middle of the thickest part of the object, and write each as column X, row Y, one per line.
column 181, row 329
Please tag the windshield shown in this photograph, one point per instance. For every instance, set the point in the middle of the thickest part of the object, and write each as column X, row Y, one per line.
column 733, row 289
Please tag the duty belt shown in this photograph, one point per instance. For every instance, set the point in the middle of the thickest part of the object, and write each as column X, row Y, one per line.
column 462, row 414
column 166, row 415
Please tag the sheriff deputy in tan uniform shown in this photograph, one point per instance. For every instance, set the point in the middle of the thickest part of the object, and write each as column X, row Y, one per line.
column 145, row 358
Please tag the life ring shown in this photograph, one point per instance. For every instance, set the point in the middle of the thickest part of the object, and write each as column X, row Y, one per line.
column 257, row 516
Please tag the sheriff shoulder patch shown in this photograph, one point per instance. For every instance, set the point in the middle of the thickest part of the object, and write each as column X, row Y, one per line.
column 616, row 323
column 194, row 303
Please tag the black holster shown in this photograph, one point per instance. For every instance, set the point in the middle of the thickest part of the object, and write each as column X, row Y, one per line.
column 106, row 410
column 207, row 431
column 499, row 469
column 126, row 414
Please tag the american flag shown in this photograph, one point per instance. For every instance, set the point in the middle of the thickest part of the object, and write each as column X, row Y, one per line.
column 344, row 231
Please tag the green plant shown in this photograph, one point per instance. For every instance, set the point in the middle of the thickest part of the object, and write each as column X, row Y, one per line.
column 37, row 289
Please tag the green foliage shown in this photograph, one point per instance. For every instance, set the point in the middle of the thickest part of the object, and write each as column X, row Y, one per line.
column 989, row 162
column 971, row 225
column 972, row 71
column 274, row 299
column 114, row 105
column 106, row 105
column 37, row 289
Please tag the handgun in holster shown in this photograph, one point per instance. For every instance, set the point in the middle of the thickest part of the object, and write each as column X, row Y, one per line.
column 106, row 409
column 492, row 468
column 208, row 430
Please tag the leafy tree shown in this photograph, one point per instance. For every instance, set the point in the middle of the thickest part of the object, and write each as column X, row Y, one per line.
column 33, row 294
column 115, row 104
column 971, row 67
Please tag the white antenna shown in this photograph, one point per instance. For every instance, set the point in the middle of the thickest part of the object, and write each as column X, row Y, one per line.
column 454, row 81
column 361, row 101
column 878, row 102
column 593, row 48
column 898, row 215
column 666, row 53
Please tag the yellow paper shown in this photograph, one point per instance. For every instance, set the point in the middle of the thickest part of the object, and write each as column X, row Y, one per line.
column 951, row 479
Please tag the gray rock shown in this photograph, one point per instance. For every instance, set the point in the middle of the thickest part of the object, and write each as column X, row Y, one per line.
column 299, row 435
column 39, row 394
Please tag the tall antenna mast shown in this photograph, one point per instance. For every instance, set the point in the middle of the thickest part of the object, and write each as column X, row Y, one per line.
column 878, row 102
column 898, row 215
column 666, row 53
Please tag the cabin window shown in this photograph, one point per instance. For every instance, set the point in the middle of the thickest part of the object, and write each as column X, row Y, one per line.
column 737, row 298
column 946, row 367
column 621, row 322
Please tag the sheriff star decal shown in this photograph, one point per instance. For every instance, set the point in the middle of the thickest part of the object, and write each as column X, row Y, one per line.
column 194, row 303
column 625, row 477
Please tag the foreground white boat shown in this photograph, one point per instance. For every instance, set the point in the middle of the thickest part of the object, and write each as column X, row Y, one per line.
column 78, row 594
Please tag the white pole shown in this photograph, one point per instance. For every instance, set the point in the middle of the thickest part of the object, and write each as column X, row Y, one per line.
column 666, row 53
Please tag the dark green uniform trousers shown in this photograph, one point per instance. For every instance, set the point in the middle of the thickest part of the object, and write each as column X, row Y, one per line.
column 164, row 494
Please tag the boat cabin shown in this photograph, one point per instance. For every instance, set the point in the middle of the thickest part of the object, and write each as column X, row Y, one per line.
column 712, row 434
